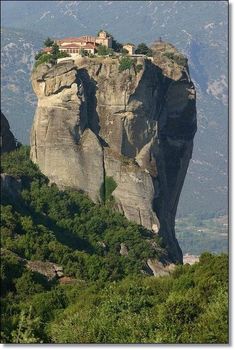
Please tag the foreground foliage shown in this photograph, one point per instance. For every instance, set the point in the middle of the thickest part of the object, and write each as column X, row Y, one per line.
column 109, row 299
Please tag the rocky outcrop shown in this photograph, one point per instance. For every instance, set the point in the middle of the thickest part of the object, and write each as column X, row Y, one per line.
column 8, row 142
column 94, row 123
column 158, row 269
column 45, row 268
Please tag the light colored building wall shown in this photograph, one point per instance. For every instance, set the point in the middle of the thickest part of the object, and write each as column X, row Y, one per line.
column 105, row 42
column 129, row 48
column 66, row 59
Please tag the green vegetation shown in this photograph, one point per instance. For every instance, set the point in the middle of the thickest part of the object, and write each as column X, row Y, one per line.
column 107, row 189
column 44, row 57
column 176, row 57
column 139, row 67
column 143, row 49
column 116, row 46
column 125, row 63
column 104, row 50
column 109, row 299
column 48, row 42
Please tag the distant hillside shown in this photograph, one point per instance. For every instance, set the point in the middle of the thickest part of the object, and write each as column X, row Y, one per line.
column 18, row 48
column 199, row 29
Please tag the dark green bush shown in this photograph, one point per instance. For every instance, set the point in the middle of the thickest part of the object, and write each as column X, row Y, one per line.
column 125, row 63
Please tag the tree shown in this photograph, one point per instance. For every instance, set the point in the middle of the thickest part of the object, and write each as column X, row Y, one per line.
column 116, row 46
column 143, row 49
column 104, row 50
column 82, row 52
column 39, row 55
column 27, row 329
column 101, row 30
column 48, row 42
column 55, row 50
column 125, row 63
column 54, row 53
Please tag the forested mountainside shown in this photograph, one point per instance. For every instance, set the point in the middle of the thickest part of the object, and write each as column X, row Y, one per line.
column 77, row 272
column 201, row 34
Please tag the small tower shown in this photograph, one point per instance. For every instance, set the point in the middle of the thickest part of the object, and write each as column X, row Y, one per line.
column 102, row 34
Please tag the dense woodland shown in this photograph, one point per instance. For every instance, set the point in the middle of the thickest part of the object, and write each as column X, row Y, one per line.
column 110, row 298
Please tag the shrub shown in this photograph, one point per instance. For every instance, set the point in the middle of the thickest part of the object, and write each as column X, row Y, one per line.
column 44, row 58
column 143, row 49
column 176, row 57
column 104, row 50
column 48, row 42
column 107, row 189
column 125, row 63
column 139, row 67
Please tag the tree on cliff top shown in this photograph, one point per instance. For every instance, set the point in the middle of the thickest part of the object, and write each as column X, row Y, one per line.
column 48, row 42
column 143, row 49
column 125, row 63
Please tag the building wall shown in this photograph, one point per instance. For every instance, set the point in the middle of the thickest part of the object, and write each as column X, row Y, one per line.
column 130, row 49
column 104, row 41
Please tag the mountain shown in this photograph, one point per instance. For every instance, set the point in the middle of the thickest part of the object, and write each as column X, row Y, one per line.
column 18, row 48
column 198, row 29
column 119, row 132
column 8, row 142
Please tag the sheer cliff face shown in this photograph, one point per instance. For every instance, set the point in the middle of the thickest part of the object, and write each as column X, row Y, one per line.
column 94, row 123
column 8, row 142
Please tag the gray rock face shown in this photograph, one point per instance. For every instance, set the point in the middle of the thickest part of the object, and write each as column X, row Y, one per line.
column 8, row 142
column 136, row 127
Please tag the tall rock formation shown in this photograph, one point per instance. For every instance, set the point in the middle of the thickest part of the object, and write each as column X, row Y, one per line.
column 102, row 130
column 8, row 142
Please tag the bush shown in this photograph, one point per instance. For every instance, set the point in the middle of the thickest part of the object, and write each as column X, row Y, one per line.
column 48, row 42
column 44, row 58
column 125, row 63
column 176, row 57
column 143, row 49
column 139, row 67
column 107, row 189
column 18, row 164
column 104, row 50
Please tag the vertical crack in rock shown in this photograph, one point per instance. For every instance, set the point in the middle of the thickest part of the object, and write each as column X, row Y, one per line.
column 94, row 122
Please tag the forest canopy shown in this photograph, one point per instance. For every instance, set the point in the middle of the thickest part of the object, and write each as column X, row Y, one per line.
column 103, row 296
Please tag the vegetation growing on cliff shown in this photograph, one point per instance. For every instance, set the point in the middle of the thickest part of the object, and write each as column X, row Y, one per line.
column 125, row 63
column 109, row 299
column 44, row 57
column 176, row 57
column 143, row 49
column 107, row 189
column 104, row 50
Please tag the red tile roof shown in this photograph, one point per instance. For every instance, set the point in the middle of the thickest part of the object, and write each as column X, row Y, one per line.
column 85, row 38
column 77, row 46
column 47, row 49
